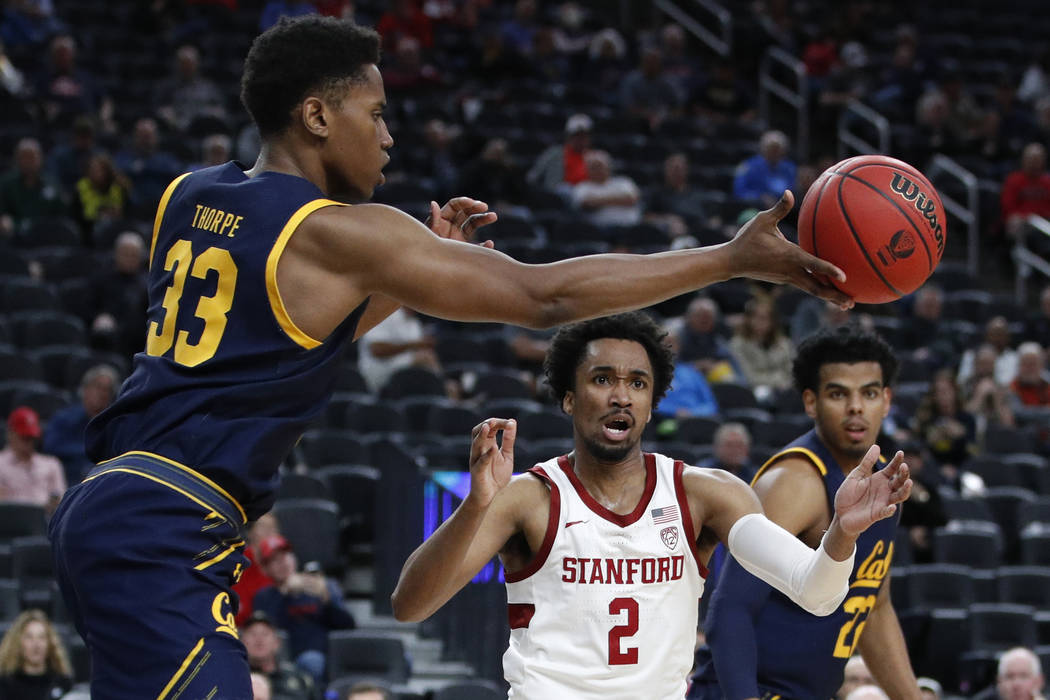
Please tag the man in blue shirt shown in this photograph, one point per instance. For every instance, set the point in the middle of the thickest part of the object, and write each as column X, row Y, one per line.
column 764, row 177
column 64, row 437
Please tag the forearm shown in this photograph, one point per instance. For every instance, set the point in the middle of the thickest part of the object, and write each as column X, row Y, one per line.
column 430, row 576
column 883, row 648
column 379, row 307
column 817, row 580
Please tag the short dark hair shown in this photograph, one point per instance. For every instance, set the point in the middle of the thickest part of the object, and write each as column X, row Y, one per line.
column 300, row 55
column 567, row 348
column 847, row 344
column 368, row 687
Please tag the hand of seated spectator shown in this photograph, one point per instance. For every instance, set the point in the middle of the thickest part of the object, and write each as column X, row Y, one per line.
column 314, row 584
column 104, row 323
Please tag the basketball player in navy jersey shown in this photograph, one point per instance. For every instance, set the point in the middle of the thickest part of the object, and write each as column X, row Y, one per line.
column 257, row 280
column 605, row 548
column 760, row 644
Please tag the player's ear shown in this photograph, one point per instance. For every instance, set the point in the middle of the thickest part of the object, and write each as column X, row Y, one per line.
column 887, row 398
column 809, row 402
column 568, row 402
column 314, row 116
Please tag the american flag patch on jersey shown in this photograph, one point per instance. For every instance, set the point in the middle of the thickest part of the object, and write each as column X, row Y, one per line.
column 664, row 515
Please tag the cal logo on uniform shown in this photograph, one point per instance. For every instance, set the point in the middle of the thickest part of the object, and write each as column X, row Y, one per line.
column 664, row 515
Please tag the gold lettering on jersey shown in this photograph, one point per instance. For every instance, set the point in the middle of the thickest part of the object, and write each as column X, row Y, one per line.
column 217, row 221
column 586, row 570
column 873, row 569
column 220, row 610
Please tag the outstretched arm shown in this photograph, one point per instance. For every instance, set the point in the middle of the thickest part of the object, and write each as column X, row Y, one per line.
column 479, row 528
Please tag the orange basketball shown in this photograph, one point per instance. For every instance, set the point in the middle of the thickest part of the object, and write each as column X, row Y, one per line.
column 880, row 220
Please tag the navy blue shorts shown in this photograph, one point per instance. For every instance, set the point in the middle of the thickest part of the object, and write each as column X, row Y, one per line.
column 145, row 554
column 706, row 690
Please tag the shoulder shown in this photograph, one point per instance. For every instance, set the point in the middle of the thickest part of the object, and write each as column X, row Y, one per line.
column 793, row 473
column 710, row 484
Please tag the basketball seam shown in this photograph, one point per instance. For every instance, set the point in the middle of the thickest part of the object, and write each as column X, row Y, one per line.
column 918, row 231
column 860, row 243
column 816, row 210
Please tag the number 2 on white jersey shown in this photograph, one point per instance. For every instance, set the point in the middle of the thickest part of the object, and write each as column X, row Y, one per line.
column 617, row 655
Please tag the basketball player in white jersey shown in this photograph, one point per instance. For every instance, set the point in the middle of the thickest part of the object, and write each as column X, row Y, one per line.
column 605, row 548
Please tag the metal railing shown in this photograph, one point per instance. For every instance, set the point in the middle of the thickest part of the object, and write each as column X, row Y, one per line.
column 849, row 142
column 795, row 96
column 966, row 213
column 1026, row 260
column 721, row 42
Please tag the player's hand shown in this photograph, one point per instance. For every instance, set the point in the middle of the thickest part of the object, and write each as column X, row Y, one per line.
column 491, row 464
column 866, row 497
column 460, row 218
column 760, row 251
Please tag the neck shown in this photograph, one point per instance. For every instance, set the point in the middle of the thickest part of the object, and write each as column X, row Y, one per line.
column 34, row 669
column 613, row 484
column 278, row 156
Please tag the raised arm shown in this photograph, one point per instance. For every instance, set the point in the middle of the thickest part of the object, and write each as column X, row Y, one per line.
column 344, row 254
column 490, row 514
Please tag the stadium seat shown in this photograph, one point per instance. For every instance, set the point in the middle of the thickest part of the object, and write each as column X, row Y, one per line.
column 730, row 396
column 509, row 408
column 451, row 421
column 322, row 447
column 25, row 294
column 412, row 381
column 364, row 653
column 1000, row 626
column 18, row 364
column 994, row 471
column 1024, row 585
column 697, row 430
column 470, row 690
column 353, row 488
column 1035, row 547
column 1004, row 502
column 50, row 231
column 312, row 526
column 34, row 329
column 21, row 520
column 501, row 384
column 10, row 599
column 31, row 565
column 550, row 423
column 301, row 486
column 946, row 639
column 959, row 508
column 458, row 350
column 939, row 586
column 350, row 380
column 970, row 544
column 1034, row 511
column 1034, row 471
column 1002, row 440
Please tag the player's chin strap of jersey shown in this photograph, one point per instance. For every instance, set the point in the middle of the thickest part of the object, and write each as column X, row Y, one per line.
column 809, row 577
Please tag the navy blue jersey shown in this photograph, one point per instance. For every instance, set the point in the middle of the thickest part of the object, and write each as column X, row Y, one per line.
column 799, row 655
column 227, row 383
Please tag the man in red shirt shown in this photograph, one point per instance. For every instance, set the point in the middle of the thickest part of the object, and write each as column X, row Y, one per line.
column 1026, row 191
column 1031, row 385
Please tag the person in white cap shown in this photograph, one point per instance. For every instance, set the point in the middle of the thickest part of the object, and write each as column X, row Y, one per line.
column 562, row 164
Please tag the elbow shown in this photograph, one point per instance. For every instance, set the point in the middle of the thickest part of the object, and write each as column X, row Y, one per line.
column 823, row 608
column 404, row 611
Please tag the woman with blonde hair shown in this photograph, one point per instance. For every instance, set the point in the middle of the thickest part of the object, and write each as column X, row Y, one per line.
column 761, row 348
column 33, row 661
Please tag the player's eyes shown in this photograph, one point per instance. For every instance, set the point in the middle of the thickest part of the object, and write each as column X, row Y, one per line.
column 601, row 379
column 638, row 384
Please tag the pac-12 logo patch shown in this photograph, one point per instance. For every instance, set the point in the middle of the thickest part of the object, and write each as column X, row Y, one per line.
column 670, row 536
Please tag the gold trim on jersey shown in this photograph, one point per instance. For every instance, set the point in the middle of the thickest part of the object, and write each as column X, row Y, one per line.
column 276, row 302
column 220, row 556
column 817, row 461
column 182, row 669
column 160, row 213
column 183, row 467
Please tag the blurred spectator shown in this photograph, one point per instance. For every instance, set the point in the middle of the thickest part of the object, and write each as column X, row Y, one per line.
column 405, row 18
column 563, row 163
column 949, row 431
column 253, row 578
column 274, row 10
column 405, row 69
column 648, row 93
column 924, row 510
column 820, row 54
column 248, row 143
column 1035, row 81
column 700, row 342
column 549, row 62
column 723, row 97
column 519, row 30
column 732, row 451
column 996, row 334
column 188, row 95
column 118, row 300
column 935, row 133
column 367, row 690
column 680, row 67
column 868, row 692
column 436, row 161
column 262, row 689
column 605, row 67
column 34, row 664
column 1037, row 325
column 765, row 176
column 964, row 115
column 68, row 160
column 1026, row 191
column 496, row 63
column 150, row 168
column 305, row 604
column 12, row 81
column 26, row 476
column 1013, row 120
column 688, row 395
column 1019, row 677
column 26, row 192
column 983, row 396
column 761, row 348
column 215, row 150
column 25, row 24
column 64, row 436
column 100, row 195
column 1031, row 386
column 854, row 675
column 263, row 646
column 903, row 80
column 925, row 332
column 493, row 176
column 607, row 199
column 64, row 89
column 929, row 688
column 398, row 341
column 679, row 206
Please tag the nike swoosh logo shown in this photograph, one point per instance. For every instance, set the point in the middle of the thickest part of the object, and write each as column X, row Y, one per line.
column 573, row 522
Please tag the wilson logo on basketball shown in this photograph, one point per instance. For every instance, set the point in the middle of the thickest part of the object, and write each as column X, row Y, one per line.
column 901, row 246
column 923, row 203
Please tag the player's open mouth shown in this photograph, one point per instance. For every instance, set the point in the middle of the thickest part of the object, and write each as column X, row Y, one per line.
column 617, row 429
column 856, row 432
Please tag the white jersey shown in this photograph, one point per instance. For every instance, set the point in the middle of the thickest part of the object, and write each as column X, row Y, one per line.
column 607, row 608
